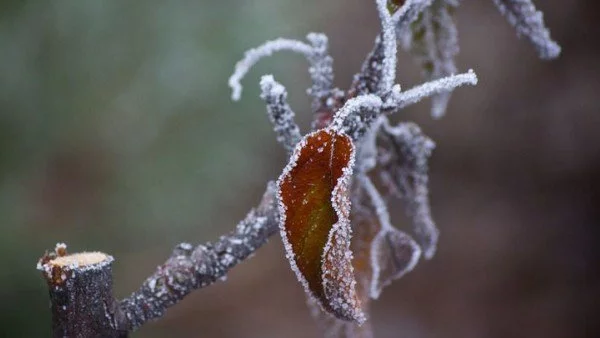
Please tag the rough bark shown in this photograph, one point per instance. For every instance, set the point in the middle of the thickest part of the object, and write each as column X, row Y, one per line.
column 80, row 285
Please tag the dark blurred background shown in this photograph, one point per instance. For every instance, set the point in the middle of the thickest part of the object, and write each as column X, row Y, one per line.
column 117, row 134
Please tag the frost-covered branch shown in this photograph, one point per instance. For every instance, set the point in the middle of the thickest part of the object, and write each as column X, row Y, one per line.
column 252, row 56
column 529, row 22
column 320, row 70
column 388, row 39
column 355, row 117
column 407, row 14
column 401, row 99
column 280, row 113
column 433, row 42
column 189, row 268
column 367, row 80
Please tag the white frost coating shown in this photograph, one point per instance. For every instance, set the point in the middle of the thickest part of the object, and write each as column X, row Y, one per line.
column 321, row 68
column 399, row 100
column 529, row 22
column 339, row 283
column 252, row 56
column 348, row 118
column 377, row 202
column 332, row 327
column 404, row 172
column 403, row 252
column 388, row 73
column 321, row 64
column 280, row 113
column 271, row 87
column 342, row 209
column 367, row 148
column 433, row 41
column 407, row 14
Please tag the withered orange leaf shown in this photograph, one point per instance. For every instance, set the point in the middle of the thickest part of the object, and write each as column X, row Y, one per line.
column 314, row 209
column 381, row 254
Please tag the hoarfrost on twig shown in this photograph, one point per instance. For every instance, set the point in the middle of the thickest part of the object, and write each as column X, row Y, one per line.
column 320, row 62
column 321, row 69
column 366, row 158
column 388, row 38
column 190, row 268
column 367, row 80
column 529, row 22
column 433, row 41
column 357, row 115
column 401, row 99
column 407, row 14
column 280, row 113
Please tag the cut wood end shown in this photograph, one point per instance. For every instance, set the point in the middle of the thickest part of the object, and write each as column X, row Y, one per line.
column 57, row 269
column 82, row 259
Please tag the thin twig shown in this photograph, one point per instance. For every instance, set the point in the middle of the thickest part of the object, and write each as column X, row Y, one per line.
column 191, row 268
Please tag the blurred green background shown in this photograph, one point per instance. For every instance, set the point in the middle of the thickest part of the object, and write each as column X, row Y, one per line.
column 117, row 134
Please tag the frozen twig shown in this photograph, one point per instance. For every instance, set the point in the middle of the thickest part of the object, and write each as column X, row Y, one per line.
column 401, row 99
column 529, row 22
column 280, row 113
column 321, row 71
column 367, row 80
column 377, row 202
column 357, row 114
column 189, row 268
column 433, row 41
column 388, row 39
column 252, row 56
column 407, row 14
